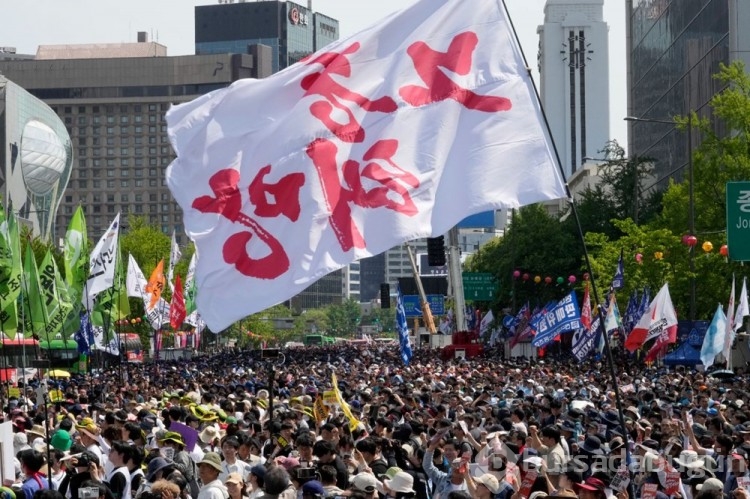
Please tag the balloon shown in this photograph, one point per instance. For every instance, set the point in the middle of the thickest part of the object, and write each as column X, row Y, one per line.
column 516, row 274
column 724, row 250
column 638, row 257
column 537, row 279
column 572, row 279
column 658, row 255
column 586, row 276
column 707, row 247
column 691, row 241
column 548, row 280
column 132, row 321
column 560, row 280
column 138, row 320
column 526, row 277
column 685, row 239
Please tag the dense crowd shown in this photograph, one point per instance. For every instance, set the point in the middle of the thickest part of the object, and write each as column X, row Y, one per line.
column 238, row 425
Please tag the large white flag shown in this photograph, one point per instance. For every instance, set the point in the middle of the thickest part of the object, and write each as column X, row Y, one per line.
column 136, row 283
column 102, row 264
column 395, row 133
column 174, row 256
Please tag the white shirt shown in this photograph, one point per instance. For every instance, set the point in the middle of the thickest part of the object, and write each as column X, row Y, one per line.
column 213, row 490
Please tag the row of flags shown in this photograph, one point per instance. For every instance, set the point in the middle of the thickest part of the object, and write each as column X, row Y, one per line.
column 93, row 294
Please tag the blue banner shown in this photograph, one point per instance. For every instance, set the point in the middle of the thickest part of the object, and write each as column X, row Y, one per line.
column 619, row 280
column 563, row 317
column 584, row 340
column 403, row 328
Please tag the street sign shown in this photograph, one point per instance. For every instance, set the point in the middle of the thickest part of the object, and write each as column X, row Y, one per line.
column 479, row 286
column 738, row 221
column 413, row 306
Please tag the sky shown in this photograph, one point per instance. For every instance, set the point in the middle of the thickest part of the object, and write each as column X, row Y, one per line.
column 26, row 24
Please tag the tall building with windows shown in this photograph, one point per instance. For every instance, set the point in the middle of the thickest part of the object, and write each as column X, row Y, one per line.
column 674, row 49
column 112, row 100
column 574, row 69
column 293, row 31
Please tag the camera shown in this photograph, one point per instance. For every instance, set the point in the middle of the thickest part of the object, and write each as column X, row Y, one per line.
column 306, row 474
column 88, row 492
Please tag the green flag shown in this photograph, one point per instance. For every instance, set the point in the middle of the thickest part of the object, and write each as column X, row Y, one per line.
column 56, row 302
column 112, row 304
column 190, row 289
column 14, row 283
column 8, row 285
column 35, row 312
column 76, row 255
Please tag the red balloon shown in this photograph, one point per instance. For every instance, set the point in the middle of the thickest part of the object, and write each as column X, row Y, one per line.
column 572, row 279
column 586, row 276
column 526, row 277
column 724, row 250
column 516, row 274
column 548, row 280
column 691, row 241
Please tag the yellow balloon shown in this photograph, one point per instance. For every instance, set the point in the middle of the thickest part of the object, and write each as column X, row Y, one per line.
column 707, row 246
column 658, row 255
column 537, row 279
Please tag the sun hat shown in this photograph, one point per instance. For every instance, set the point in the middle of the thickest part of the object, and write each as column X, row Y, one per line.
column 173, row 436
column 366, row 482
column 591, row 484
column 212, row 459
column 401, row 482
column 711, row 484
column 490, row 481
column 390, row 472
column 154, row 466
column 209, row 434
column 37, row 431
column 234, row 478
column 88, row 427
column 61, row 441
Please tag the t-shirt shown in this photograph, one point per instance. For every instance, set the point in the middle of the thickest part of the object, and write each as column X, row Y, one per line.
column 31, row 485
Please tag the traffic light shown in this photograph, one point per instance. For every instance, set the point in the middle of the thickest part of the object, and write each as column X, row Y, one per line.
column 385, row 295
column 436, row 251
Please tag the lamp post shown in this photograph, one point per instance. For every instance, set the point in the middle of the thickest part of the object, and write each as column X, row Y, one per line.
column 691, row 196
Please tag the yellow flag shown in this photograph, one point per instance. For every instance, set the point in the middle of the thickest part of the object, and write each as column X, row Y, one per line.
column 320, row 410
column 353, row 422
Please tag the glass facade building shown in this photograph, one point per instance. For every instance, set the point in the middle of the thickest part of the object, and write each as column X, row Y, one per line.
column 291, row 30
column 675, row 48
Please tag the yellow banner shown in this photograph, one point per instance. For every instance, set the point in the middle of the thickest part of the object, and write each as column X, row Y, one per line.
column 14, row 391
column 353, row 422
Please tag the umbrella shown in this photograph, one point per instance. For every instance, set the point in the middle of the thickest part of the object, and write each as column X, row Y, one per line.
column 722, row 374
column 58, row 373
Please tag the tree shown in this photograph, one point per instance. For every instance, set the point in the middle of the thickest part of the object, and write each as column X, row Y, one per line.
column 146, row 243
column 344, row 319
column 534, row 242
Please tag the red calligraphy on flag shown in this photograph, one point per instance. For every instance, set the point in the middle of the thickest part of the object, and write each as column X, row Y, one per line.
column 336, row 96
column 429, row 65
column 392, row 192
column 269, row 200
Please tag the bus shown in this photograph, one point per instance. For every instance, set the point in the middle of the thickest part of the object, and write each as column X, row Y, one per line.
column 62, row 354
column 16, row 354
column 319, row 340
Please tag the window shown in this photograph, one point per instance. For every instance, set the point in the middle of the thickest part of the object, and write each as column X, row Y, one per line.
column 138, row 129
column 165, row 218
column 152, row 118
column 68, row 210
column 95, row 109
column 68, row 120
column 110, row 184
column 110, row 151
column 152, row 161
column 81, row 141
column 138, row 118
column 152, row 182
column 82, row 173
column 96, row 120
column 139, row 182
column 164, row 149
column 152, row 172
column 138, row 172
column 110, row 130
column 138, row 141
column 152, row 208
column 97, row 184
column 96, row 141
column 124, row 173
column 97, row 219
column 97, row 173
column 82, row 120
column 124, row 119
column 152, row 107
column 138, row 208
column 110, row 173
column 82, row 152
column 110, row 163
column 68, row 199
column 124, row 162
column 81, row 163
column 111, row 120
column 82, row 130
column 152, row 129
column 124, row 141
column 123, row 108
column 124, row 184
column 139, row 198
column 67, row 109
column 110, row 198
column 123, row 151
column 152, row 140
column 152, row 151
column 97, row 151
column 124, row 198
column 97, row 130
column 81, row 109
column 97, row 163
column 82, row 184
column 110, row 141
column 165, row 161
column 164, row 196
column 111, row 208
column 97, row 208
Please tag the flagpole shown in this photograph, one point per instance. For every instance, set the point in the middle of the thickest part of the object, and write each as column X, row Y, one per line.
column 574, row 211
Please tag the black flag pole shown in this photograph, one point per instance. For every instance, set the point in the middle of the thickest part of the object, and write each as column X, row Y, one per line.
column 574, row 211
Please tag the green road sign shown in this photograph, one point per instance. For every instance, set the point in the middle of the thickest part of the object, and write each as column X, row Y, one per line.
column 479, row 286
column 738, row 220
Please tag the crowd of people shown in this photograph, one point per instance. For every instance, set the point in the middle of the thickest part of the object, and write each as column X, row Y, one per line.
column 240, row 425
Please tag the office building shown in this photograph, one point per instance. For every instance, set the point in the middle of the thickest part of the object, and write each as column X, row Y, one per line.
column 292, row 31
column 674, row 49
column 112, row 100
column 35, row 160
column 574, row 71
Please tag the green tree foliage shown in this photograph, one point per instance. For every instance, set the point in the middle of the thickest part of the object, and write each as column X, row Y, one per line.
column 384, row 317
column 146, row 243
column 343, row 319
column 535, row 243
